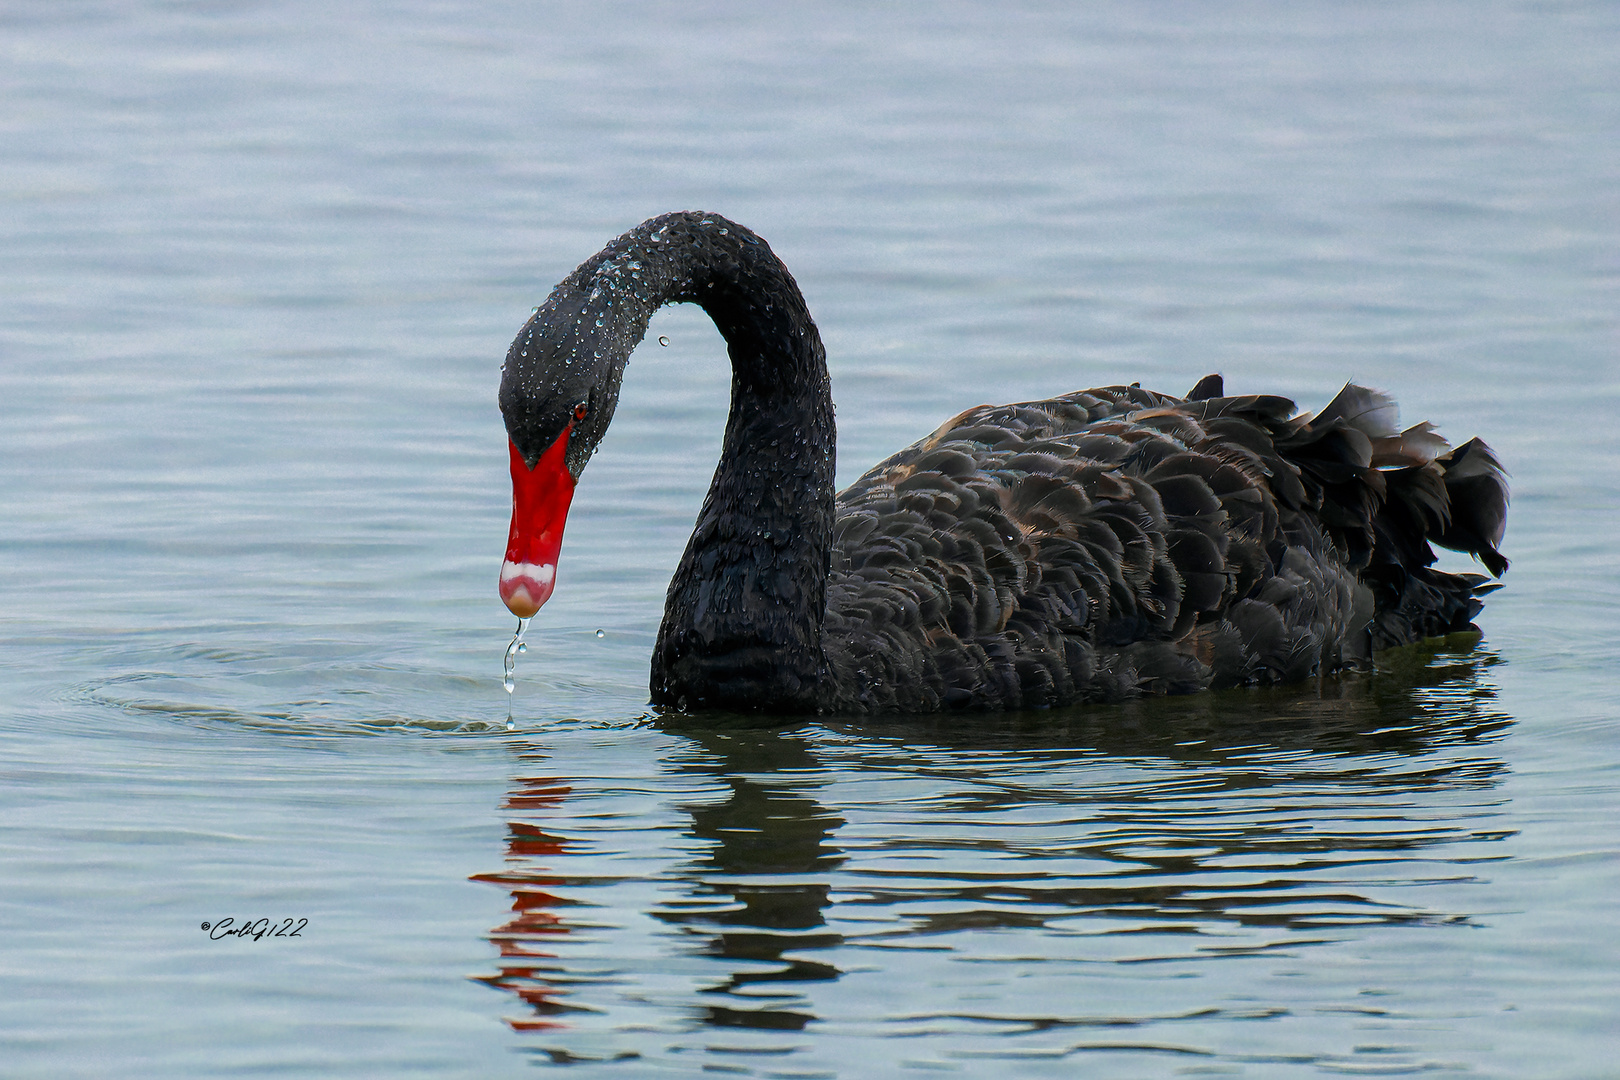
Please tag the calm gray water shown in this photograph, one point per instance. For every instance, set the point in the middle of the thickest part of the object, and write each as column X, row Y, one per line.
column 262, row 262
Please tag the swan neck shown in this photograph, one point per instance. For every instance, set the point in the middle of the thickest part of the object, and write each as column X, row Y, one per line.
column 725, row 269
column 744, row 615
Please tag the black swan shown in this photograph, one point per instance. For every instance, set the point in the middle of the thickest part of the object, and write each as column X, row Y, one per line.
column 1099, row 545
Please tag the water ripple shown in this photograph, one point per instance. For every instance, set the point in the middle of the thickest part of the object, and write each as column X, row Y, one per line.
column 1043, row 871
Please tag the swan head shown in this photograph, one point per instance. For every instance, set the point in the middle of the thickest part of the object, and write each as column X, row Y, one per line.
column 559, row 388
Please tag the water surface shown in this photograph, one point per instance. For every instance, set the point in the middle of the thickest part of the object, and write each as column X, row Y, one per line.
column 262, row 264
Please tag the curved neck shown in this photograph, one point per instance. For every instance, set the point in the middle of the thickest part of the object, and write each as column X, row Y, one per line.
column 725, row 269
column 743, row 618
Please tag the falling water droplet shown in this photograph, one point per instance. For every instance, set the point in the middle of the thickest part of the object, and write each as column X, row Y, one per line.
column 507, row 680
column 601, row 633
column 664, row 341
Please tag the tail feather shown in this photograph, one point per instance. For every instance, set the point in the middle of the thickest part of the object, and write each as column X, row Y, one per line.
column 1371, row 412
column 1476, row 485
column 1385, row 495
column 1417, row 445
column 1210, row 386
column 1421, row 490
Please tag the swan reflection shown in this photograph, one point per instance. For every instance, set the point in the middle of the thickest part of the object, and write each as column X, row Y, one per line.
column 759, row 895
column 1023, row 875
column 530, row 968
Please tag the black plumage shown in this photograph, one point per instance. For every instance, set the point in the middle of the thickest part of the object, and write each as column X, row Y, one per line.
column 1099, row 545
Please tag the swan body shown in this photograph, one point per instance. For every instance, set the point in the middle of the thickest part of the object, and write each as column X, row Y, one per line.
column 1095, row 546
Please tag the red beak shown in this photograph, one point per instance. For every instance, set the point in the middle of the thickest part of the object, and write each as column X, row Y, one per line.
column 540, row 498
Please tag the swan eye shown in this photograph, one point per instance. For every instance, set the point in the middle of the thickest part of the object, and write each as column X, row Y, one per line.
column 580, row 410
